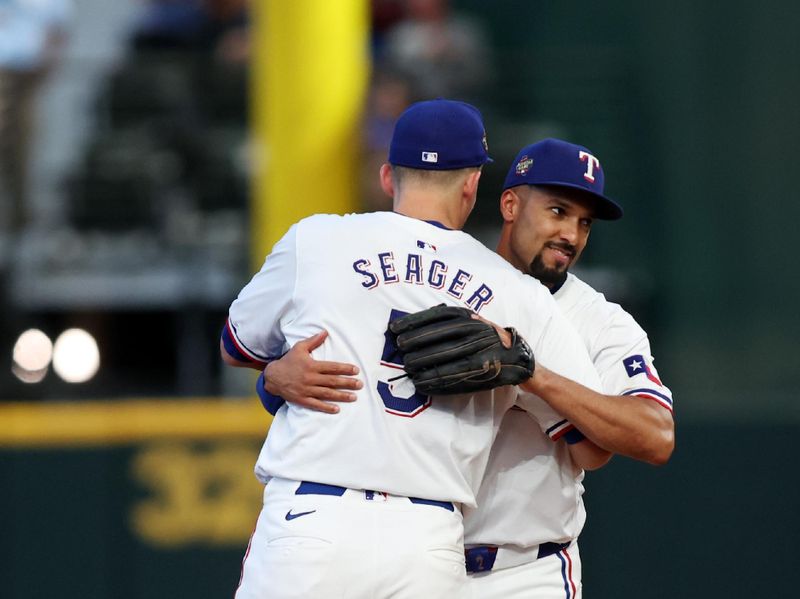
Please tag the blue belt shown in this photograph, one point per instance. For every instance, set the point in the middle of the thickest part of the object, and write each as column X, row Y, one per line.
column 309, row 488
column 481, row 558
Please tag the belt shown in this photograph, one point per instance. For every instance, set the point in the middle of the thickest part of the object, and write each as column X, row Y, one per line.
column 311, row 488
column 483, row 558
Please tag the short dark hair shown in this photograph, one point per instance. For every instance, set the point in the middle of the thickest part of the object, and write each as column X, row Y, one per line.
column 443, row 178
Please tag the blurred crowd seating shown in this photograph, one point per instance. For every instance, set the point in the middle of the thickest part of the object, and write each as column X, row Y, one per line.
column 155, row 200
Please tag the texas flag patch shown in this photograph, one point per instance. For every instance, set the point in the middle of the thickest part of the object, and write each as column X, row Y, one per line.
column 638, row 365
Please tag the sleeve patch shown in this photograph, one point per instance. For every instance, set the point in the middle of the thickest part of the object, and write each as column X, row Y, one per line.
column 636, row 364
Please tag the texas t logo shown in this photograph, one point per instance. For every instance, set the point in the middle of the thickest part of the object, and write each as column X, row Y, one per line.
column 591, row 164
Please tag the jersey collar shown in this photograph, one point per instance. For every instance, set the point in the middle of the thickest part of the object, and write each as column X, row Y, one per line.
column 436, row 223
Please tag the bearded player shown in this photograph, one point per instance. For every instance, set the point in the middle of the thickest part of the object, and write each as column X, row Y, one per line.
column 522, row 538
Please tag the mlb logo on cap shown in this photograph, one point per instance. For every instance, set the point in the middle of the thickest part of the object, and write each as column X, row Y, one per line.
column 439, row 135
column 563, row 164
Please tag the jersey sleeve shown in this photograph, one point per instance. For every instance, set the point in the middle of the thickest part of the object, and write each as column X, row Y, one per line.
column 252, row 332
column 625, row 363
column 271, row 403
column 551, row 422
column 560, row 349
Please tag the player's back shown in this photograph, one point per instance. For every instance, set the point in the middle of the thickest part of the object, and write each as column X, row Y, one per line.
column 351, row 276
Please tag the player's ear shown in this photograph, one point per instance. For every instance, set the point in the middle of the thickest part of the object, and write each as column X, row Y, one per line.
column 387, row 181
column 509, row 206
column 471, row 184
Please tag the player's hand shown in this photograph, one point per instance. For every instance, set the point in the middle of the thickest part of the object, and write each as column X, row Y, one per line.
column 505, row 335
column 300, row 379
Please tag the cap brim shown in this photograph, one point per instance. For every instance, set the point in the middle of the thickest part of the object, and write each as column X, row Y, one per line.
column 605, row 208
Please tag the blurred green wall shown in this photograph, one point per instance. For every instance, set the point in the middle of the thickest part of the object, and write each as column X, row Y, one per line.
column 159, row 517
column 694, row 110
column 127, row 499
column 137, row 521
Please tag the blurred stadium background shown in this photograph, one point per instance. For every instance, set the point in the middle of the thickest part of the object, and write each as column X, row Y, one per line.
column 171, row 142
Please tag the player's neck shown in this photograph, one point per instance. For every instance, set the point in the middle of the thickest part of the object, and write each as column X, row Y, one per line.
column 431, row 209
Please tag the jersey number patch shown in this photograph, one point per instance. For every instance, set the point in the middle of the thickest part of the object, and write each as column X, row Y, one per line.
column 399, row 395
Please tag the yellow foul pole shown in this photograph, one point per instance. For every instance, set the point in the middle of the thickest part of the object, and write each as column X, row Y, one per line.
column 310, row 68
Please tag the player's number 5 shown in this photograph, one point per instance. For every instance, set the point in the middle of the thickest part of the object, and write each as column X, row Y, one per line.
column 402, row 404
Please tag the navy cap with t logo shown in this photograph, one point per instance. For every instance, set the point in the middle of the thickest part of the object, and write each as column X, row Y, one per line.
column 439, row 135
column 563, row 164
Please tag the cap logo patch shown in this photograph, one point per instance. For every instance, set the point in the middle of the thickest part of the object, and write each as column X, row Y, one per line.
column 523, row 165
column 591, row 163
column 430, row 157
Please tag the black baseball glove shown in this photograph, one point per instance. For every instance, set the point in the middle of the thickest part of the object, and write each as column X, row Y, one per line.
column 446, row 351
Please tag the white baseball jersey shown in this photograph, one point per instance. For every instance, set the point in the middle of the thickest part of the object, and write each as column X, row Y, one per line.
column 532, row 493
column 350, row 275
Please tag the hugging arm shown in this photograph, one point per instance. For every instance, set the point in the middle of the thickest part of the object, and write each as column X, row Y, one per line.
column 299, row 379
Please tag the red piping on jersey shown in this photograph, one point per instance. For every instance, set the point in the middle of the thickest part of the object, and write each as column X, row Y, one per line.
column 242, row 349
column 563, row 432
column 656, row 399
column 416, row 412
column 651, row 376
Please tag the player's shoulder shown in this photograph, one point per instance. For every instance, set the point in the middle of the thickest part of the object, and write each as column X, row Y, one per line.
column 577, row 295
column 316, row 227
column 583, row 304
column 324, row 220
column 365, row 220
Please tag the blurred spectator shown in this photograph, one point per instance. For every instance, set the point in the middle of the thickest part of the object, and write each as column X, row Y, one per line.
column 421, row 50
column 441, row 53
column 219, row 26
column 390, row 94
column 32, row 36
column 384, row 15
column 207, row 40
column 169, row 24
column 231, row 31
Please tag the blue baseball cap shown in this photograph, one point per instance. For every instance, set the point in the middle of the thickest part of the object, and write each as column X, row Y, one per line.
column 439, row 135
column 562, row 164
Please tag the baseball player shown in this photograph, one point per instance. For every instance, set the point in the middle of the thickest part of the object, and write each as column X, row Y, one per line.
column 522, row 538
column 367, row 504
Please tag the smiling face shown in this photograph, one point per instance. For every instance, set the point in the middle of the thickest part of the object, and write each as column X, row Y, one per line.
column 545, row 230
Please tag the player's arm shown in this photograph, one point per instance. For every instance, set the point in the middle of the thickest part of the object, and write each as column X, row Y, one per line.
column 587, row 455
column 564, row 378
column 236, row 362
column 628, row 425
column 300, row 379
column 631, row 426
column 563, row 350
column 252, row 335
